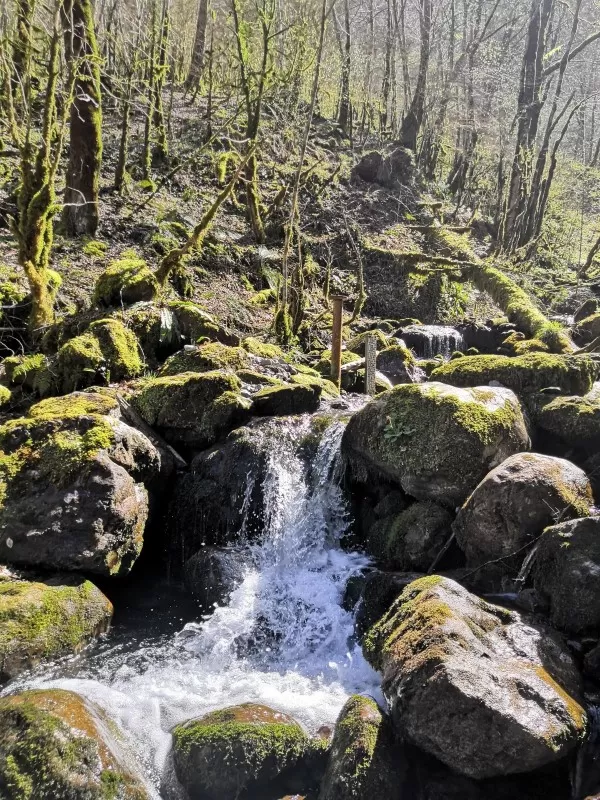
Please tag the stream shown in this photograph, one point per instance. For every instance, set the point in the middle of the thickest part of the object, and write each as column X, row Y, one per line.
column 283, row 639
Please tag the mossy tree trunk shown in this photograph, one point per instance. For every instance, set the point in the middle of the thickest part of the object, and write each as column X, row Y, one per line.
column 160, row 151
column 22, row 48
column 199, row 50
column 80, row 214
column 412, row 122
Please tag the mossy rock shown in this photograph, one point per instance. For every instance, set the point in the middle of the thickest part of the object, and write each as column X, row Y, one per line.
column 253, row 378
column 482, row 689
column 586, row 309
column 107, row 351
column 69, row 497
column 287, row 400
column 522, row 374
column 357, row 343
column 574, row 420
column 55, row 744
column 5, row 396
column 411, row 539
column 240, row 750
column 328, row 389
column 193, row 409
column 530, row 346
column 436, row 441
column 323, row 366
column 587, row 329
column 263, row 349
column 196, row 323
column 364, row 762
column 124, row 282
column 33, row 371
column 399, row 364
column 46, row 619
column 206, row 358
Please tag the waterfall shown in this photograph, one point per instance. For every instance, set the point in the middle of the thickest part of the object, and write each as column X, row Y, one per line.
column 283, row 638
column 429, row 341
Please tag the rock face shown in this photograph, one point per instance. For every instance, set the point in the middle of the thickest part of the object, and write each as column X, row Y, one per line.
column 437, row 441
column 474, row 684
column 411, row 539
column 364, row 762
column 67, row 499
column 193, row 409
column 242, row 748
column 566, row 574
column 523, row 374
column 212, row 574
column 53, row 744
column 47, row 618
column 514, row 503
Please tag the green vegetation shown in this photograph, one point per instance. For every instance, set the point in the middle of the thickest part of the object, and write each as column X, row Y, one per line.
column 206, row 358
column 125, row 281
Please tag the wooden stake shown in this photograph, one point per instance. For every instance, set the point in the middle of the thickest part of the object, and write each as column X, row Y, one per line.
column 336, row 339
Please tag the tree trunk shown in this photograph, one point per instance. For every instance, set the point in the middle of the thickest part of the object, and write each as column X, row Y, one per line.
column 199, row 51
column 412, row 122
column 80, row 215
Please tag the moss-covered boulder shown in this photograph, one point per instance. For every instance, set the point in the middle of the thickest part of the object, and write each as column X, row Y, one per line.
column 71, row 491
column 288, row 399
column 522, row 374
column 511, row 507
column 357, row 343
column 587, row 329
column 31, row 371
column 46, row 618
column 566, row 574
column 195, row 323
column 5, row 396
column 206, row 358
column 473, row 684
column 262, row 349
column 124, row 282
column 364, row 762
column 399, row 365
column 55, row 744
column 323, row 366
column 107, row 351
column 192, row 409
column 229, row 753
column 574, row 420
column 436, row 441
column 411, row 539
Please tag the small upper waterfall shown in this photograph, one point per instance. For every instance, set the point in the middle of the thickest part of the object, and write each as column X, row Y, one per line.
column 282, row 639
column 429, row 341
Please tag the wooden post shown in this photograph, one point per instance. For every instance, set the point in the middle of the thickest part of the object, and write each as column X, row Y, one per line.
column 370, row 363
column 336, row 339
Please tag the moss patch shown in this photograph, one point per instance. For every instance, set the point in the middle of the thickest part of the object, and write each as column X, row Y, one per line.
column 125, row 281
column 263, row 349
column 206, row 358
column 523, row 374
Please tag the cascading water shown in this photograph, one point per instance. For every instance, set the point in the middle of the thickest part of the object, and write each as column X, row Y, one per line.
column 283, row 638
column 429, row 341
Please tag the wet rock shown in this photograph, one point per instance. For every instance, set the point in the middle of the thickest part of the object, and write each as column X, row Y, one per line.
column 212, row 574
column 566, row 574
column 379, row 590
column 524, row 374
column 429, row 341
column 55, row 744
column 411, row 539
column 435, row 440
column 286, row 400
column 473, row 684
column 68, row 501
column 246, row 748
column 46, row 618
column 511, row 507
column 192, row 409
column 364, row 762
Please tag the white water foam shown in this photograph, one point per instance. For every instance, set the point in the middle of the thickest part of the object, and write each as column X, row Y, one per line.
column 283, row 639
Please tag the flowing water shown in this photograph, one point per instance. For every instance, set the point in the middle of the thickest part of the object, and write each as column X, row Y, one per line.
column 283, row 639
column 429, row 341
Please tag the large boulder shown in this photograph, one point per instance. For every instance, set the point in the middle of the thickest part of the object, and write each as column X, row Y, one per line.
column 213, row 573
column 55, row 744
column 246, row 748
column 473, row 684
column 523, row 374
column 574, row 420
column 393, row 170
column 436, row 441
column 364, row 762
column 71, row 491
column 192, row 409
column 206, row 358
column 513, row 504
column 46, row 618
column 125, row 281
column 411, row 539
column 286, row 400
column 566, row 574
column 399, row 365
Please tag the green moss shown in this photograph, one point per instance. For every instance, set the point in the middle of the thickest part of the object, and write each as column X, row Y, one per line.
column 53, row 746
column 519, row 308
column 263, row 349
column 78, row 404
column 95, row 249
column 323, row 366
column 523, row 374
column 357, row 343
column 206, row 358
column 257, row 378
column 575, row 420
column 45, row 620
column 119, row 348
column 530, row 346
column 328, row 389
column 35, row 372
column 80, row 362
column 127, row 280
column 263, row 297
column 5, row 396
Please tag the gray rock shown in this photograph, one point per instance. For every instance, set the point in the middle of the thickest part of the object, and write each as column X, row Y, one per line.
column 477, row 686
column 212, row 574
column 511, row 507
column 566, row 574
column 411, row 539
